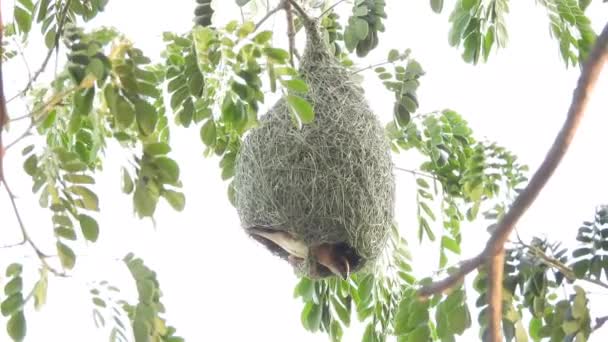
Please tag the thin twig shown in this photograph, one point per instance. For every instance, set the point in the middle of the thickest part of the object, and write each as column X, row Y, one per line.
column 586, row 83
column 599, row 322
column 301, row 12
column 62, row 20
column 331, row 8
column 22, row 55
column 372, row 66
column 42, row 256
column 416, row 172
column 270, row 13
column 43, row 109
column 558, row 265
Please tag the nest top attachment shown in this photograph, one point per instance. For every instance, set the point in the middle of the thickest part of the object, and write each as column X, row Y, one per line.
column 322, row 196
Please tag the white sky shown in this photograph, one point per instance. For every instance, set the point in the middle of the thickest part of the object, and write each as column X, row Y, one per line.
column 219, row 285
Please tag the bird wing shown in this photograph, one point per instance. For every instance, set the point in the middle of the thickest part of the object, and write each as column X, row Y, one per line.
column 284, row 240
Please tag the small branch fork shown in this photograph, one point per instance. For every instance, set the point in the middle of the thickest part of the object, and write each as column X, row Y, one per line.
column 63, row 17
column 493, row 253
column 3, row 121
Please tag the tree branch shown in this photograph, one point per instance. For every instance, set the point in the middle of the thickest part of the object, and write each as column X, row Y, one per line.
column 331, row 8
column 3, row 112
column 495, row 245
column 416, row 173
column 372, row 66
column 62, row 20
column 301, row 12
column 270, row 13
column 43, row 109
column 495, row 277
column 291, row 32
column 26, row 238
column 558, row 265
column 599, row 322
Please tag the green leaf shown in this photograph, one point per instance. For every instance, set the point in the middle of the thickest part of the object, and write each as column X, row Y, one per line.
column 79, row 179
column 401, row 114
column 437, row 5
column 393, row 55
column 570, row 327
column 89, row 198
column 242, row 2
column 314, row 317
column 125, row 114
column 99, row 302
column 208, row 134
column 488, row 42
column 263, row 37
column 13, row 286
column 158, row 148
column 127, row 182
column 14, row 270
column 168, row 170
column 89, row 227
column 302, row 108
column 145, row 201
column 360, row 28
column 296, row 85
column 245, row 29
column 12, row 304
column 468, row 4
column 96, row 68
column 421, row 333
column 365, row 288
column 40, row 289
column 66, row 255
column 31, row 165
column 83, row 101
column 177, row 200
column 27, row 150
column 279, row 55
column 23, row 19
column 450, row 244
column 66, row 233
column 16, row 326
column 147, row 117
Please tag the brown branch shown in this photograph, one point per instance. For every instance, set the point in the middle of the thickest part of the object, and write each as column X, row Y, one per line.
column 62, row 20
column 301, row 12
column 3, row 112
column 495, row 277
column 495, row 245
column 291, row 32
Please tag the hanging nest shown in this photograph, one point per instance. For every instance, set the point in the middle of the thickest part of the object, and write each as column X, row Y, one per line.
column 329, row 182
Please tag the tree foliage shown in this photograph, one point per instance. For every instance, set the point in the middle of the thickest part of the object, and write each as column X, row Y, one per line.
column 215, row 80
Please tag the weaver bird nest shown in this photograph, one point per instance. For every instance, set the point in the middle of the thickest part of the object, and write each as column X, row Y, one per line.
column 325, row 190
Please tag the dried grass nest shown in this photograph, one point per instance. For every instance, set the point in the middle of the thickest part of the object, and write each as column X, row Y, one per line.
column 330, row 181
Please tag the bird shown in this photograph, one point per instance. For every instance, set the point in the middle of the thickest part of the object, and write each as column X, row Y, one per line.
column 336, row 258
column 331, row 257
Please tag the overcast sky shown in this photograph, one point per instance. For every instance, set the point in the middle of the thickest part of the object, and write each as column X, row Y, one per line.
column 219, row 285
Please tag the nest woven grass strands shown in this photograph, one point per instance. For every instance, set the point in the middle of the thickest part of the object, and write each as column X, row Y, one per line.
column 329, row 183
